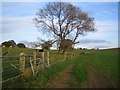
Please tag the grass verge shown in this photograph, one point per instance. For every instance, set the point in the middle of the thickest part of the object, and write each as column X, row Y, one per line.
column 39, row 81
column 106, row 61
column 79, row 70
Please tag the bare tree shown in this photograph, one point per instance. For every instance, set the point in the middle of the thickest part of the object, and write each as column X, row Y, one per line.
column 47, row 44
column 62, row 19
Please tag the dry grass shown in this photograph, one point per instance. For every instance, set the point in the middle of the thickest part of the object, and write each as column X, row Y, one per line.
column 27, row 73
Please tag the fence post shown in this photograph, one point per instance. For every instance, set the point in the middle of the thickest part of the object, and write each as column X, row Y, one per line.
column 34, row 56
column 70, row 55
column 42, row 57
column 65, row 55
column 22, row 62
column 48, row 59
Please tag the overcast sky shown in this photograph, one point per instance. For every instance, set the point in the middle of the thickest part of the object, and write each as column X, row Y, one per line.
column 17, row 23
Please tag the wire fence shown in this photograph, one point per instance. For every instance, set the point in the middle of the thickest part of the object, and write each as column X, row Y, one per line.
column 10, row 67
column 16, row 66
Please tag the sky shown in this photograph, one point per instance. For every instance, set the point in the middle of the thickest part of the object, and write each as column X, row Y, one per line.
column 17, row 23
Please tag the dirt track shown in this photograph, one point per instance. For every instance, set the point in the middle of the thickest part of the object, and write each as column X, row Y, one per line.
column 64, row 80
column 96, row 79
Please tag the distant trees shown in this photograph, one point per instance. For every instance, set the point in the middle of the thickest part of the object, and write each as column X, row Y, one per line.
column 44, row 44
column 21, row 45
column 34, row 44
column 10, row 43
column 47, row 44
column 63, row 20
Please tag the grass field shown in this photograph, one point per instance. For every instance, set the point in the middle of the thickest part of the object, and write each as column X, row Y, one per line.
column 105, row 61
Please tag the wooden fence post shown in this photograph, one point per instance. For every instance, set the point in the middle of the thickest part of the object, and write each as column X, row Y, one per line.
column 71, row 55
column 34, row 56
column 22, row 62
column 65, row 55
column 48, row 59
column 42, row 57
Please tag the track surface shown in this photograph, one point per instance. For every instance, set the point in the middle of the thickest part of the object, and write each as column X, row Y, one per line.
column 95, row 79
column 64, row 80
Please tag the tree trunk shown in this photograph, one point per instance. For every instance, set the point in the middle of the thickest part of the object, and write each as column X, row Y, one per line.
column 63, row 51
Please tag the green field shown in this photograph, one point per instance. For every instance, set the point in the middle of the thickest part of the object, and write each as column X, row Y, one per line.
column 105, row 61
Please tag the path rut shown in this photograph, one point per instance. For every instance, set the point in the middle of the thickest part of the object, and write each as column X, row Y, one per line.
column 96, row 79
column 64, row 80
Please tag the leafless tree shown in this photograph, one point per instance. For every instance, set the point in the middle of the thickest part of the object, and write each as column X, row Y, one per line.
column 62, row 19
column 47, row 44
